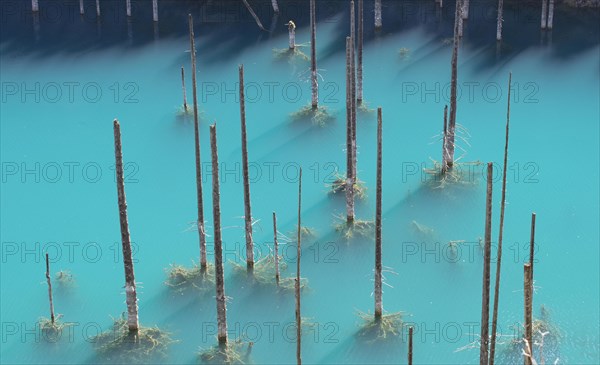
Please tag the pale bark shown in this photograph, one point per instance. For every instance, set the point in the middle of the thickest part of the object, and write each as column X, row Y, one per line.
column 532, row 244
column 292, row 34
column 550, row 14
column 35, row 6
column 275, row 6
column 500, row 20
column 81, row 7
column 544, row 13
column 377, row 14
column 128, row 5
column 155, row 10
column 313, row 56
column 98, row 8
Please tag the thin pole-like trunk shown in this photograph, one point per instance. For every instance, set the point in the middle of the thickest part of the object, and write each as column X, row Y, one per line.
column 297, row 284
column 544, row 13
column 81, row 7
column 445, row 156
column 410, row 345
column 532, row 244
column 292, row 34
column 377, row 14
column 275, row 6
column 128, row 5
column 378, row 266
column 453, row 82
column 349, row 159
column 256, row 19
column 500, row 234
column 219, row 279
column 130, row 288
column 353, row 86
column 155, row 10
column 98, row 8
column 359, row 70
column 185, row 106
column 49, row 289
column 550, row 14
column 500, row 20
column 465, row 9
column 313, row 56
column 528, row 290
column 201, row 231
column 247, row 207
column 460, row 22
column 485, row 296
column 35, row 6
column 276, row 248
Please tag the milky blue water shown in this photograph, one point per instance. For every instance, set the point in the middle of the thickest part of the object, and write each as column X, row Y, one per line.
column 59, row 196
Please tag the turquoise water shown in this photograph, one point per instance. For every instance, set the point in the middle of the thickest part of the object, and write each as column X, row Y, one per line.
column 58, row 191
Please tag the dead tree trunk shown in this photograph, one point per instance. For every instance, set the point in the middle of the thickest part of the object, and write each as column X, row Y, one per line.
column 353, row 87
column 528, row 290
column 410, row 345
column 128, row 4
column 155, row 10
column 500, row 20
column 130, row 288
column 377, row 14
column 98, row 8
column 275, row 6
column 359, row 70
column 544, row 13
column 276, row 248
column 550, row 14
column 485, row 297
column 454, row 65
column 49, row 289
column 291, row 34
column 185, row 107
column 532, row 244
column 445, row 156
column 219, row 279
column 297, row 284
column 465, row 9
column 34, row 6
column 500, row 235
column 313, row 56
column 201, row 231
column 81, row 7
column 349, row 189
column 247, row 209
column 378, row 266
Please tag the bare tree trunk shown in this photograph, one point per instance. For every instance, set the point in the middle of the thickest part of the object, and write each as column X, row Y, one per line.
column 500, row 235
column 460, row 22
column 155, row 10
column 276, row 248
column 377, row 14
column 445, row 156
column 128, row 4
column 485, row 301
column 359, row 70
column 219, row 279
column 349, row 160
column 353, row 87
column 49, row 289
column 410, row 345
column 500, row 20
column 454, row 65
column 130, row 289
column 185, row 107
column 550, row 14
column 292, row 34
column 201, row 231
column 532, row 244
column 378, row 266
column 528, row 290
column 465, row 9
column 275, row 6
column 313, row 55
column 256, row 19
column 297, row 284
column 98, row 8
column 81, row 7
column 544, row 13
column 34, row 6
column 247, row 210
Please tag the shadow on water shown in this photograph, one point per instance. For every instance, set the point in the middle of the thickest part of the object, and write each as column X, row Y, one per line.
column 227, row 28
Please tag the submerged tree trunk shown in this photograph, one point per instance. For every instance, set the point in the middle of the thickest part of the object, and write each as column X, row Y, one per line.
column 276, row 248
column 155, row 10
column 454, row 65
column 247, row 210
column 219, row 279
column 359, row 70
column 377, row 14
column 98, row 8
column 378, row 266
column 81, row 7
column 275, row 6
column 465, row 9
column 49, row 289
column 500, row 235
column 130, row 288
column 528, row 299
column 485, row 296
column 34, row 6
column 297, row 283
column 349, row 189
column 292, row 34
column 500, row 20
column 410, row 345
column 445, row 156
column 544, row 13
column 201, row 231
column 128, row 4
column 313, row 56
column 550, row 14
